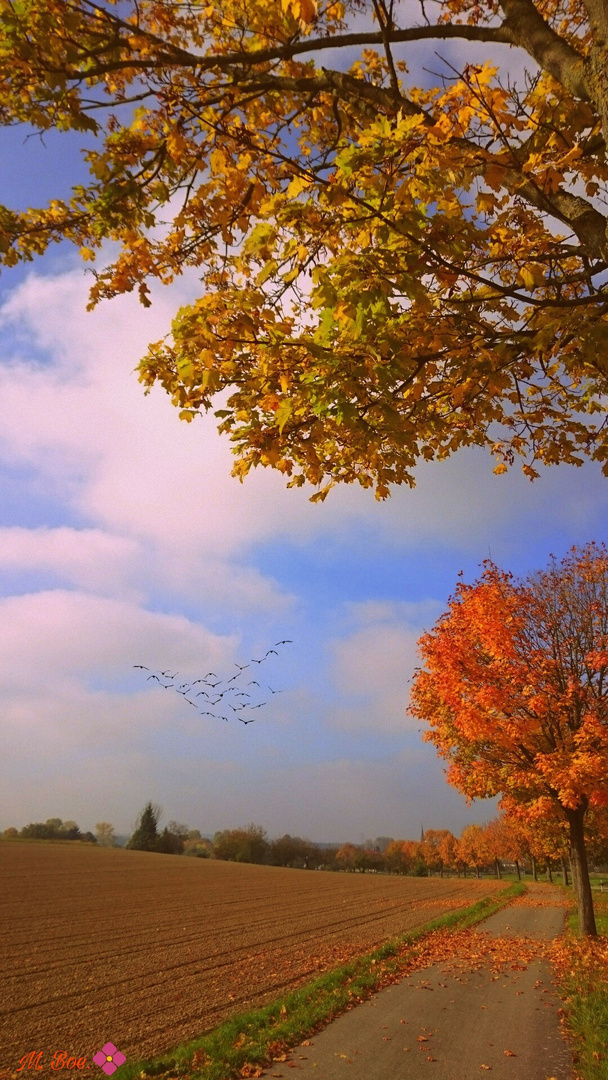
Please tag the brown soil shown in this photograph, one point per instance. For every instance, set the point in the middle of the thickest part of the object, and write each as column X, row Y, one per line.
column 147, row 951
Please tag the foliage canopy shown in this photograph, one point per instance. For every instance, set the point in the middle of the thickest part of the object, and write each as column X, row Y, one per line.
column 390, row 271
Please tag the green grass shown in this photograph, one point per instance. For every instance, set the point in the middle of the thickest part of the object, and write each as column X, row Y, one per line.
column 254, row 1038
column 585, row 990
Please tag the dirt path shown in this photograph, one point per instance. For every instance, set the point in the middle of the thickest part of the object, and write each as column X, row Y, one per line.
column 488, row 1008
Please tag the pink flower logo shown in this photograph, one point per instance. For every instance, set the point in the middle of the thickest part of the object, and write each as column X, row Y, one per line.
column 109, row 1058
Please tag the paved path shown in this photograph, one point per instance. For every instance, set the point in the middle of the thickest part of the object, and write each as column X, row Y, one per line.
column 458, row 1019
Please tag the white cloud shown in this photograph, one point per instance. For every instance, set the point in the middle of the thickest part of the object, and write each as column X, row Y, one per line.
column 126, row 463
column 47, row 638
column 89, row 558
column 374, row 662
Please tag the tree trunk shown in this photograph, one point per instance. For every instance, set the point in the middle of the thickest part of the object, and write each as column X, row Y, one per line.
column 518, row 870
column 534, row 869
column 477, row 872
column 498, row 873
column 597, row 63
column 549, row 872
column 580, row 872
column 565, row 871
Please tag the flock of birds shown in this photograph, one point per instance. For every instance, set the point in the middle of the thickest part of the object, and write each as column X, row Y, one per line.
column 236, row 694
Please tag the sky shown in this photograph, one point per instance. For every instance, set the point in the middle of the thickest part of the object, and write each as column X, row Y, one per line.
column 124, row 540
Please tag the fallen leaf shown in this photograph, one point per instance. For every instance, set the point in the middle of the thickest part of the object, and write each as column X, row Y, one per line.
column 509, row 1053
column 488, row 1068
column 429, row 1058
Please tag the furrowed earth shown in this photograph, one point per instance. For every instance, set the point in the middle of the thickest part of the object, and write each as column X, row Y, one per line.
column 148, row 951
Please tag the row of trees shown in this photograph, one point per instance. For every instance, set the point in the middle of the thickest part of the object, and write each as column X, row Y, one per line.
column 51, row 829
column 512, row 840
column 514, row 690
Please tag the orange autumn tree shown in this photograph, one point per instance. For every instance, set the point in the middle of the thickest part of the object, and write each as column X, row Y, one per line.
column 514, row 688
column 542, row 831
column 392, row 266
column 472, row 849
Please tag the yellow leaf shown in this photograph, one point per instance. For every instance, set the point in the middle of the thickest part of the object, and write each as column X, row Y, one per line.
column 297, row 185
column 531, row 275
column 303, row 10
column 206, row 358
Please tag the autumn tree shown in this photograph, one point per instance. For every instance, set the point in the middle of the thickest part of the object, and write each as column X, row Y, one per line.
column 434, row 847
column 197, row 846
column 346, row 856
column 508, row 839
column 515, row 691
column 541, row 831
column 472, row 848
column 390, row 271
column 448, row 850
column 247, row 844
column 104, row 832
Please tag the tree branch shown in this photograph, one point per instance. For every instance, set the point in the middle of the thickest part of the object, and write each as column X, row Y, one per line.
column 530, row 31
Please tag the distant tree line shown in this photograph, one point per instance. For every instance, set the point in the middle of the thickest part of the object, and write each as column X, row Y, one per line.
column 509, row 842
column 51, row 829
column 505, row 843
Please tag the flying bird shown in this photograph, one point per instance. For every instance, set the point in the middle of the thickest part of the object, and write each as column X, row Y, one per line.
column 207, row 680
column 270, row 651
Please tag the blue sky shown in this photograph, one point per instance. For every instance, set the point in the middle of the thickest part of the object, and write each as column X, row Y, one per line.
column 124, row 540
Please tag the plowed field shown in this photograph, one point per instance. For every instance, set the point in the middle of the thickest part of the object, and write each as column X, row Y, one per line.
column 149, row 950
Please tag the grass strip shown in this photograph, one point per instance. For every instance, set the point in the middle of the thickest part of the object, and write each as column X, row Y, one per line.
column 581, row 967
column 244, row 1044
